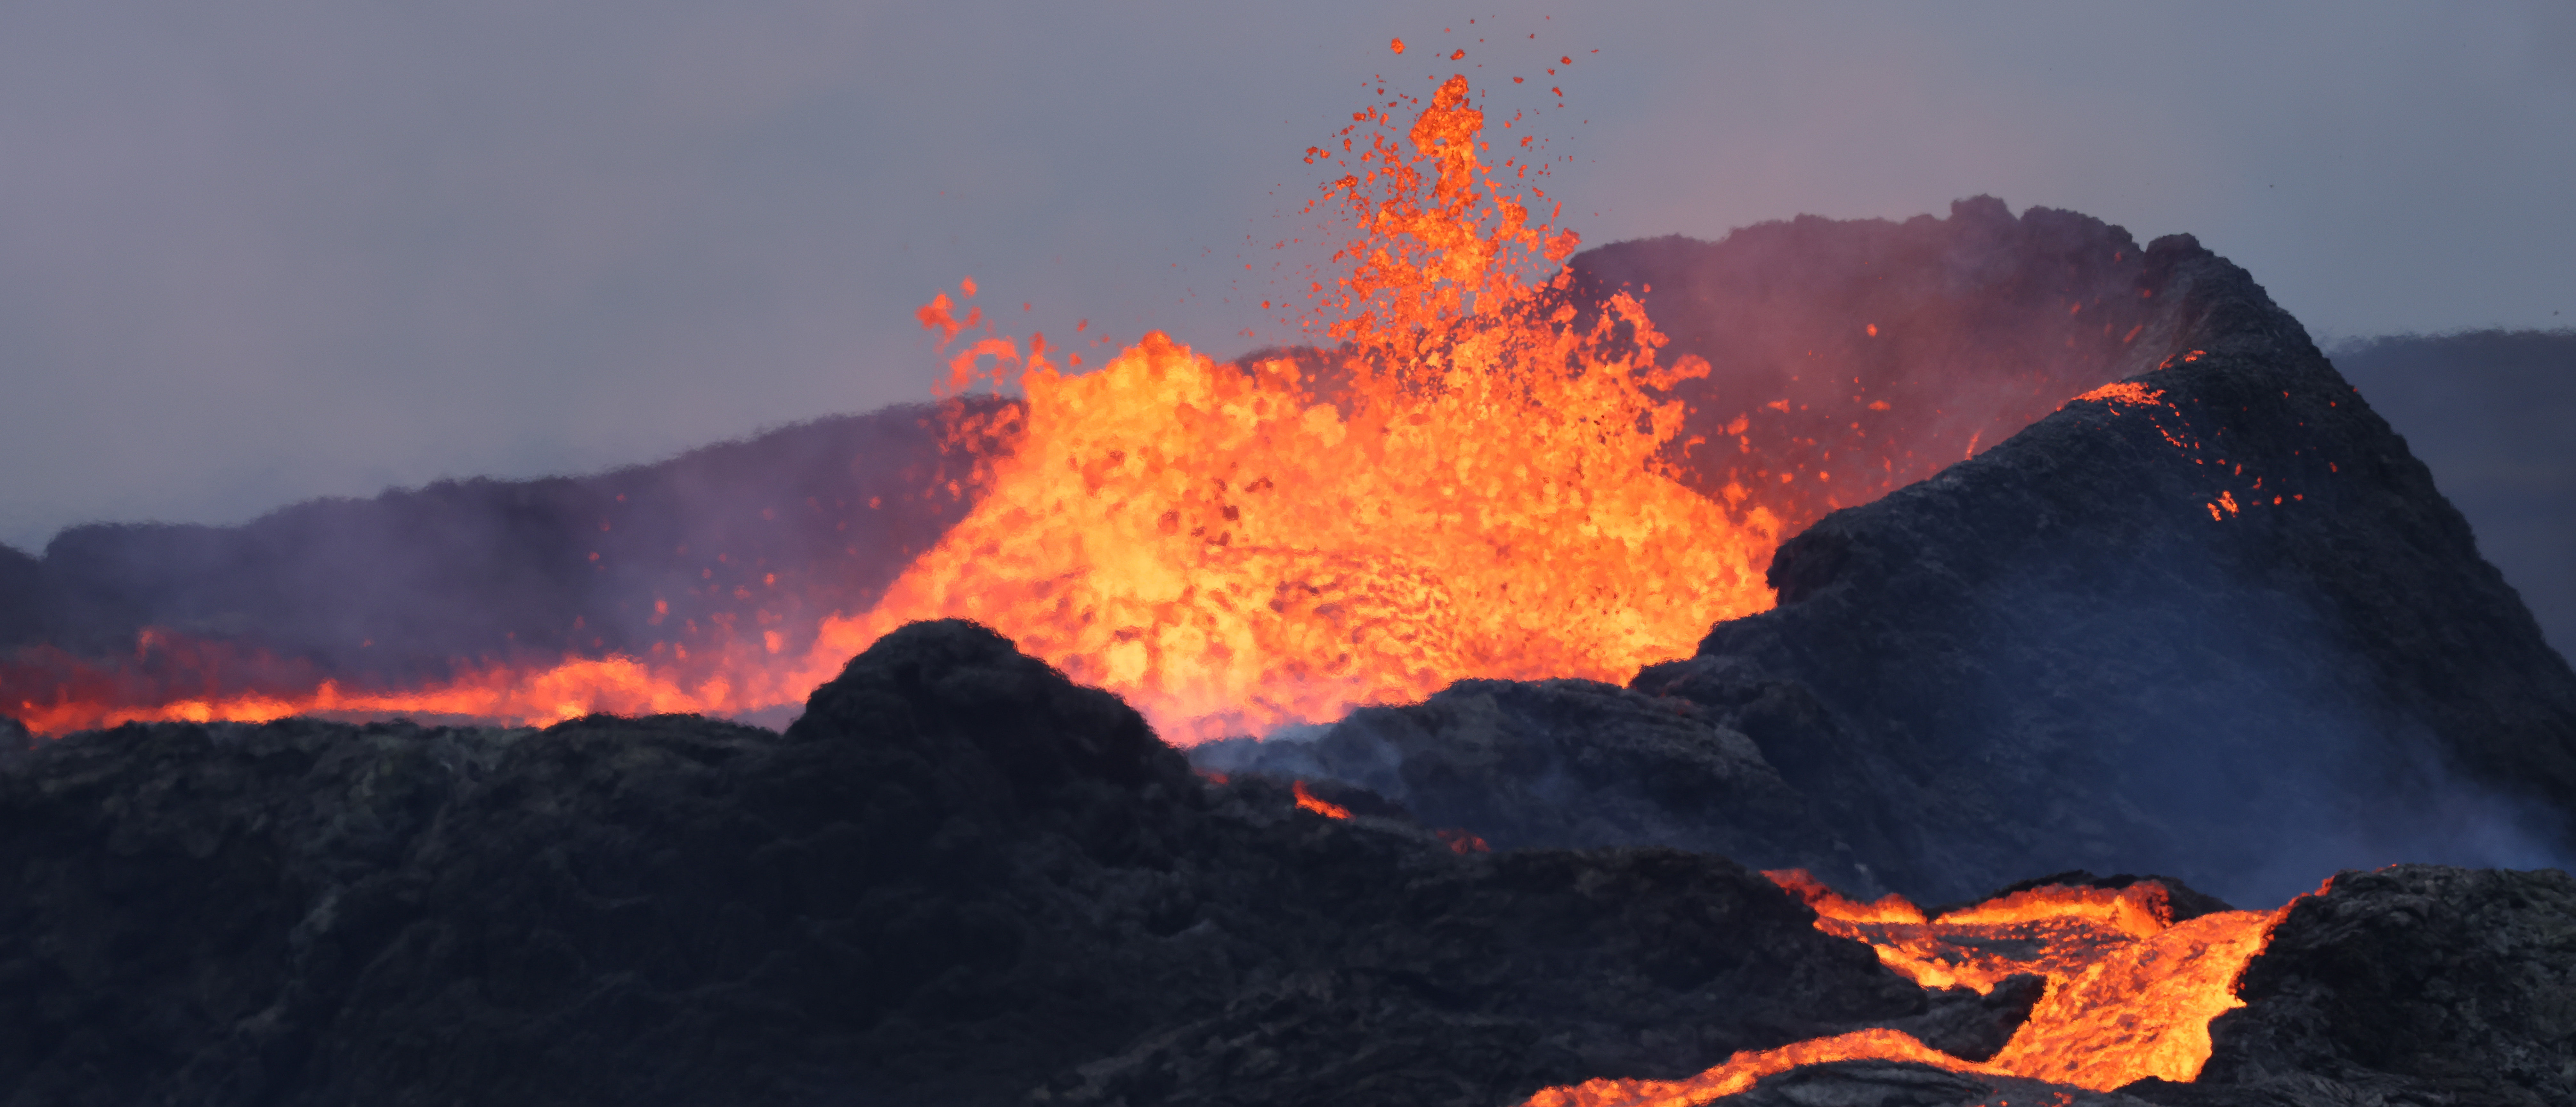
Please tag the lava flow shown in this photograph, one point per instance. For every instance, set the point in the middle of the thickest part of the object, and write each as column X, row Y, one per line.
column 2130, row 990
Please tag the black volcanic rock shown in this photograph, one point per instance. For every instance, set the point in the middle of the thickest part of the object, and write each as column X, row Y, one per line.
column 957, row 879
column 1964, row 1024
column 1567, row 763
column 2417, row 983
column 2234, row 633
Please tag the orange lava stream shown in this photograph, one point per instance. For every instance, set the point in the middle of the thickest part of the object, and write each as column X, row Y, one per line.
column 1326, row 808
column 2129, row 996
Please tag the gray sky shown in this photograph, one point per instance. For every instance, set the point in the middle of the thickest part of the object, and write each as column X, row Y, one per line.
column 261, row 251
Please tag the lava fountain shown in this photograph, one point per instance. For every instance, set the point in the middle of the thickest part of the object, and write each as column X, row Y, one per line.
column 1474, row 492
column 1472, row 483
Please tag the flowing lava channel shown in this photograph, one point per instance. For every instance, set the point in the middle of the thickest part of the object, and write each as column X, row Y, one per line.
column 2130, row 990
column 1469, row 484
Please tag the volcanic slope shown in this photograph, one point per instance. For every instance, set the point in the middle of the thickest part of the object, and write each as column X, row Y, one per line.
column 957, row 879
column 2213, row 621
column 2489, row 411
column 724, row 542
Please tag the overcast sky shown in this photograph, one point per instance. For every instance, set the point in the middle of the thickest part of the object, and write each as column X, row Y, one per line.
column 259, row 251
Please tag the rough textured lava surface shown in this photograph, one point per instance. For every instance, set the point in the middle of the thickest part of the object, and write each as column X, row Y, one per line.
column 958, row 879
column 962, row 879
column 2411, row 984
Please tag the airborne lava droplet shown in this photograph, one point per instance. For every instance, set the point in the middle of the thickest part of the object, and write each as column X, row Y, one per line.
column 1396, row 44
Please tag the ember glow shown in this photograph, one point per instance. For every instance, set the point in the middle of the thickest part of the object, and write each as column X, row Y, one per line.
column 1307, row 801
column 2130, row 991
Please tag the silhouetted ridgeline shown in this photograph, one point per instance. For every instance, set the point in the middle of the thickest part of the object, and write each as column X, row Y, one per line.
column 1863, row 355
column 2494, row 414
column 732, row 540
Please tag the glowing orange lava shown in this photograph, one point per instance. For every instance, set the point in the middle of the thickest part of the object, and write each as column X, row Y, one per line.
column 1470, row 487
column 2130, row 992
column 1476, row 493
column 1326, row 808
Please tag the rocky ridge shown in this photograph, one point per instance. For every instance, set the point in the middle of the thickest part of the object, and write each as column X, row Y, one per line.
column 958, row 879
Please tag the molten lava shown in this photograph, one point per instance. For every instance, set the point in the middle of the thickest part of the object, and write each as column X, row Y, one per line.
column 1475, row 493
column 1476, row 479
column 2130, row 991
column 1326, row 808
column 1470, row 488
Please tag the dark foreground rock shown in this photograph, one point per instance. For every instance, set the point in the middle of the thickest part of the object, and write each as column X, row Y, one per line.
column 2217, row 623
column 2415, row 984
column 1564, row 763
column 959, row 879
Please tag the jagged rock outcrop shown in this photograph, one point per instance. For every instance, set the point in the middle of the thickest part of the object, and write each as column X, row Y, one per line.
column 957, row 879
column 2414, row 984
column 2224, row 626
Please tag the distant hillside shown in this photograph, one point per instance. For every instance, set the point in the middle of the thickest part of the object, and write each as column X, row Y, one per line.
column 2494, row 414
column 731, row 541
